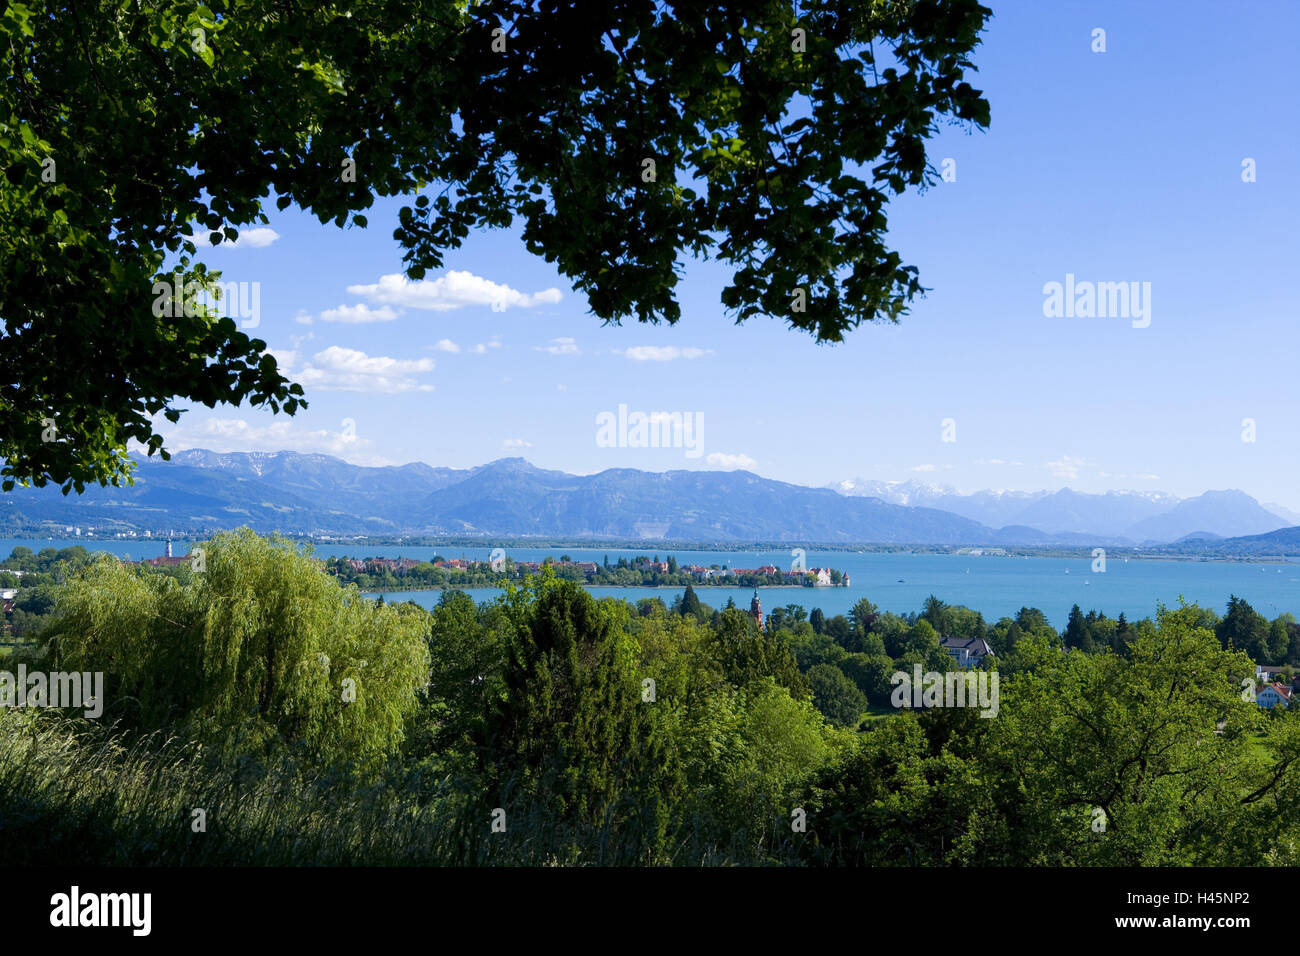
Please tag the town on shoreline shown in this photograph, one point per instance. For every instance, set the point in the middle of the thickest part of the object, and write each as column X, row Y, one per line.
column 407, row 574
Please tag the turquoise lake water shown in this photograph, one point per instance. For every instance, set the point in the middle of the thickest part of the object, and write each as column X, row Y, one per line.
column 994, row 585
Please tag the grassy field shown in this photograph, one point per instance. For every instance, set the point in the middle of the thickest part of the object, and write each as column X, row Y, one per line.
column 876, row 713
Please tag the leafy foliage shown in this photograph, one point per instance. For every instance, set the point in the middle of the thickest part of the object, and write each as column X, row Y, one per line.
column 259, row 652
column 777, row 133
column 613, row 735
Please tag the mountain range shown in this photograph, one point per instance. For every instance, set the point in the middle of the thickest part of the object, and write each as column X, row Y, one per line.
column 201, row 491
column 1132, row 517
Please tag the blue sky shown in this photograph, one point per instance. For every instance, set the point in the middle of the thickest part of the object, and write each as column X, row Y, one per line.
column 1122, row 166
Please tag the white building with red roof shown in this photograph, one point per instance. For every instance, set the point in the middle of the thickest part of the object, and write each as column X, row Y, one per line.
column 1274, row 694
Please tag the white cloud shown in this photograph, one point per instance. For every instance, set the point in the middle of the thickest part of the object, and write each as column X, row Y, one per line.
column 922, row 468
column 661, row 353
column 303, row 317
column 236, row 434
column 719, row 460
column 516, row 443
column 561, row 388
column 1066, row 467
column 358, row 314
column 349, row 370
column 446, row 345
column 285, row 358
column 451, row 291
column 561, row 346
column 257, row 238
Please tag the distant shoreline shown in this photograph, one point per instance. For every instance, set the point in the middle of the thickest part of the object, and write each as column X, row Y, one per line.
column 665, row 548
column 670, row 547
column 637, row 587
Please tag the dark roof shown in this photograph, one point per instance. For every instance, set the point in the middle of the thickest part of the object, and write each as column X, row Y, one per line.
column 976, row 645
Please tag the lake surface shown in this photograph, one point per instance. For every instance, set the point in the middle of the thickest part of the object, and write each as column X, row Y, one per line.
column 994, row 585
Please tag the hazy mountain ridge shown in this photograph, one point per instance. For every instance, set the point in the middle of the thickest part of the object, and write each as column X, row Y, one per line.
column 201, row 491
column 1135, row 517
column 287, row 491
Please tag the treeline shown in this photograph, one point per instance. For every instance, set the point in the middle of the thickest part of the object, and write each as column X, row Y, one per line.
column 313, row 725
column 41, row 572
column 638, row 572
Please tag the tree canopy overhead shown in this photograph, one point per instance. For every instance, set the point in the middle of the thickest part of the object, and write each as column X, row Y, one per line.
column 621, row 136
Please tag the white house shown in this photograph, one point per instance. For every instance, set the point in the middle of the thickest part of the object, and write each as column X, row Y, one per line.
column 1274, row 694
column 967, row 652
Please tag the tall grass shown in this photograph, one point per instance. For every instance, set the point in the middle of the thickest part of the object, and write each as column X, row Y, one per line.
column 73, row 795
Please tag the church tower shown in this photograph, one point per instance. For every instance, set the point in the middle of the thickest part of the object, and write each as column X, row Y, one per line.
column 756, row 609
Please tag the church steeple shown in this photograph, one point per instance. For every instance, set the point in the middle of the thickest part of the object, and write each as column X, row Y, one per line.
column 756, row 609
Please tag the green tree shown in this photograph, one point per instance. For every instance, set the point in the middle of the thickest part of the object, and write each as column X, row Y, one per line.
column 1033, row 621
column 1279, row 638
column 840, row 630
column 571, row 730
column 1077, row 634
column 690, row 604
column 620, row 136
column 1006, row 634
column 467, row 673
column 936, row 613
column 39, row 601
column 893, row 632
column 1138, row 762
column 1245, row 629
column 897, row 800
column 651, row 607
column 862, row 618
column 262, row 649
column 871, row 673
column 922, row 639
column 835, row 695
column 748, row 654
column 747, row 754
